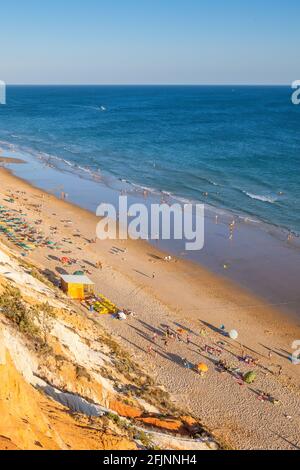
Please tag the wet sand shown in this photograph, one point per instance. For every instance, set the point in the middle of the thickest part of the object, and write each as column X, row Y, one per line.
column 180, row 294
column 9, row 160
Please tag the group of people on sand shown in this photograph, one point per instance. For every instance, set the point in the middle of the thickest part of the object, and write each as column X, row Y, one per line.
column 214, row 351
column 183, row 336
column 168, row 336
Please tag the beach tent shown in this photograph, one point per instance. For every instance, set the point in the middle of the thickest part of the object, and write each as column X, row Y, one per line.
column 77, row 286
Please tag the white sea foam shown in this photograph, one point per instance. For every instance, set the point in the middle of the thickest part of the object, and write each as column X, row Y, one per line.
column 213, row 183
column 269, row 199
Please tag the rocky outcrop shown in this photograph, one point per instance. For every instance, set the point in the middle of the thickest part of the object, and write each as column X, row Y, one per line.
column 122, row 409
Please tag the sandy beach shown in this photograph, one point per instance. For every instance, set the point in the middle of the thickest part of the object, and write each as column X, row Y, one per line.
column 193, row 303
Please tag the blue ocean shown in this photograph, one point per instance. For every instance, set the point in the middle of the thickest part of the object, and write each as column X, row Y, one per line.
column 234, row 147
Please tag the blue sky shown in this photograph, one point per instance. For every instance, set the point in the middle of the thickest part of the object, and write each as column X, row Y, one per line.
column 150, row 41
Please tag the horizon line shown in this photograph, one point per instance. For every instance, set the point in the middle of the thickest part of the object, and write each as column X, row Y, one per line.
column 148, row 84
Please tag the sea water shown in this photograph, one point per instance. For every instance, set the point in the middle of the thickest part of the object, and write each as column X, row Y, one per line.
column 232, row 147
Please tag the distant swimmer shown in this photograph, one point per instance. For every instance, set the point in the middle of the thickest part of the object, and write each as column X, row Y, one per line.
column 102, row 108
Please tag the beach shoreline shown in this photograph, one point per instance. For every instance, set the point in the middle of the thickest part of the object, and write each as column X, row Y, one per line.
column 228, row 254
column 146, row 245
column 181, row 293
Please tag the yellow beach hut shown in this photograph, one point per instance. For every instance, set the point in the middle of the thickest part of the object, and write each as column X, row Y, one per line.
column 77, row 286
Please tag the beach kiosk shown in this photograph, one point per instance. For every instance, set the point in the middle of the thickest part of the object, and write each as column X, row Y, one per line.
column 77, row 286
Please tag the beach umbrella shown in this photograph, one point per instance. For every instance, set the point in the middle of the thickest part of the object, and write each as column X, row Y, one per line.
column 233, row 334
column 79, row 273
column 202, row 367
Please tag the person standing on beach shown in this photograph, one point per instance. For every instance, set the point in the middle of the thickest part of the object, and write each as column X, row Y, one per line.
column 203, row 332
column 99, row 265
column 151, row 351
column 154, row 337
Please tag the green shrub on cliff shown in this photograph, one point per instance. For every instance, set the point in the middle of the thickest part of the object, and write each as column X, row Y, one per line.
column 13, row 307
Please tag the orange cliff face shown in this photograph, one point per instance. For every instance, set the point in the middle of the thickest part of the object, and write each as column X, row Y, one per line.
column 22, row 424
column 29, row 421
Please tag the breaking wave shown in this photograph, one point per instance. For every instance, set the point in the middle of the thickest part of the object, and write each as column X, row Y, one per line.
column 269, row 199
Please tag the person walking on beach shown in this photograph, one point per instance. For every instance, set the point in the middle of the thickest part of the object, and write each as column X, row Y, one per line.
column 150, row 350
column 231, row 229
column 99, row 265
